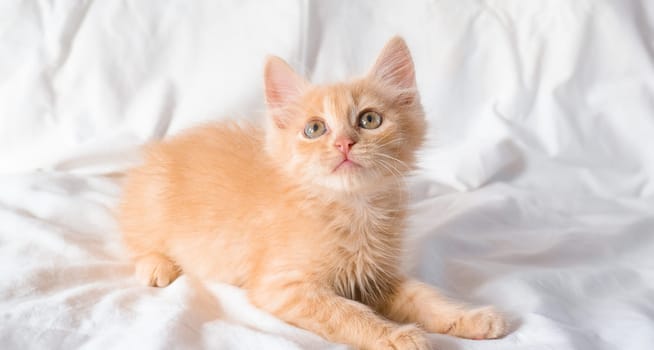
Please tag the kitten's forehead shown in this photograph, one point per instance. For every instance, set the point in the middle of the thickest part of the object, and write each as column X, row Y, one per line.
column 338, row 105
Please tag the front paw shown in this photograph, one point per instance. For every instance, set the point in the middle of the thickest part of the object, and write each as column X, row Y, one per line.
column 407, row 337
column 481, row 323
column 156, row 270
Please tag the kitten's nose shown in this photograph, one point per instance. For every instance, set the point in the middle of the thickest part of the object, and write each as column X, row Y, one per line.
column 344, row 144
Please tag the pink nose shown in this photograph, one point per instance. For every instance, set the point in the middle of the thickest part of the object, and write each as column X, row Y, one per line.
column 344, row 145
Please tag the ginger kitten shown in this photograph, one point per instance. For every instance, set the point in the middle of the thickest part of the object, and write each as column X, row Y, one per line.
column 306, row 214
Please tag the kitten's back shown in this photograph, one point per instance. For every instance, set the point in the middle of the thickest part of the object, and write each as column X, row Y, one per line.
column 196, row 184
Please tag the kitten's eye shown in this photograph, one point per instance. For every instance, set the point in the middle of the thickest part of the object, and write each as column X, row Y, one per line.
column 370, row 120
column 314, row 128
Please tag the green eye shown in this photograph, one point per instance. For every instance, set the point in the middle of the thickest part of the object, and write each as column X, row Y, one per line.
column 370, row 120
column 314, row 129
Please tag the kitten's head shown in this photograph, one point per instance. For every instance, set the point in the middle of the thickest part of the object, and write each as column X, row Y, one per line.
column 349, row 136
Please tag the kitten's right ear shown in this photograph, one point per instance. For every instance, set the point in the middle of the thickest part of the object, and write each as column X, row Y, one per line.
column 394, row 65
column 282, row 86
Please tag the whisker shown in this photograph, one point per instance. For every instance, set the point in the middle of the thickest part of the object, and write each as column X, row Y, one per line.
column 404, row 164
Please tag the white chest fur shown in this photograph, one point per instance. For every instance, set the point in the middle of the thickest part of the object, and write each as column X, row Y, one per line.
column 369, row 249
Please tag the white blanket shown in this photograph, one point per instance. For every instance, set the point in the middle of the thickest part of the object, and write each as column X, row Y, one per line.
column 536, row 192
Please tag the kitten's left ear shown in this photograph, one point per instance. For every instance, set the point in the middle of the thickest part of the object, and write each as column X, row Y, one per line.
column 282, row 86
column 394, row 65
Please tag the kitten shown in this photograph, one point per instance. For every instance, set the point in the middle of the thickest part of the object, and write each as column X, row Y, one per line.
column 306, row 214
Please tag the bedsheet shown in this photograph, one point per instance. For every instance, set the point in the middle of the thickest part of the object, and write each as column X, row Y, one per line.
column 535, row 191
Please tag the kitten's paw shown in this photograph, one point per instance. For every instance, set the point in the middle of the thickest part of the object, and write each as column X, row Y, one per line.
column 407, row 337
column 481, row 323
column 156, row 270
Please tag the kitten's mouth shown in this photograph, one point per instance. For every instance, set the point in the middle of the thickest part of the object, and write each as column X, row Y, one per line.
column 346, row 164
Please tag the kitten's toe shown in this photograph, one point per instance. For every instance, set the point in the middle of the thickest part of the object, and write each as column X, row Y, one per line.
column 407, row 337
column 481, row 323
column 156, row 270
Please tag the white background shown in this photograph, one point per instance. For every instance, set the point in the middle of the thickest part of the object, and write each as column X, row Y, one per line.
column 535, row 194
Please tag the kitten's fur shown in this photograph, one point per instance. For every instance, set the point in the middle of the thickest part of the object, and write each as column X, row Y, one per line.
column 265, row 209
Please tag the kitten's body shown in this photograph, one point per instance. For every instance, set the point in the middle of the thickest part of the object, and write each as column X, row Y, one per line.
column 313, row 234
column 231, row 194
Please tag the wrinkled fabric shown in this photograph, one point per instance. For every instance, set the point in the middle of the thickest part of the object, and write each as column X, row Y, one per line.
column 535, row 191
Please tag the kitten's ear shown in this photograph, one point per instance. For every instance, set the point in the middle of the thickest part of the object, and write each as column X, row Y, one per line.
column 282, row 85
column 394, row 65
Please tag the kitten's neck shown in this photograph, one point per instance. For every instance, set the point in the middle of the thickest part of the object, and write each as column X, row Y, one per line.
column 387, row 196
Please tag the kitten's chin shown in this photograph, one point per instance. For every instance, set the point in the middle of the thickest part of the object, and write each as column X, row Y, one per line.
column 348, row 178
column 347, row 165
column 342, row 178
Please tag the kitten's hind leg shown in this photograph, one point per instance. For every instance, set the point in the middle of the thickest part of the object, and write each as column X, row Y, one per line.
column 156, row 270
